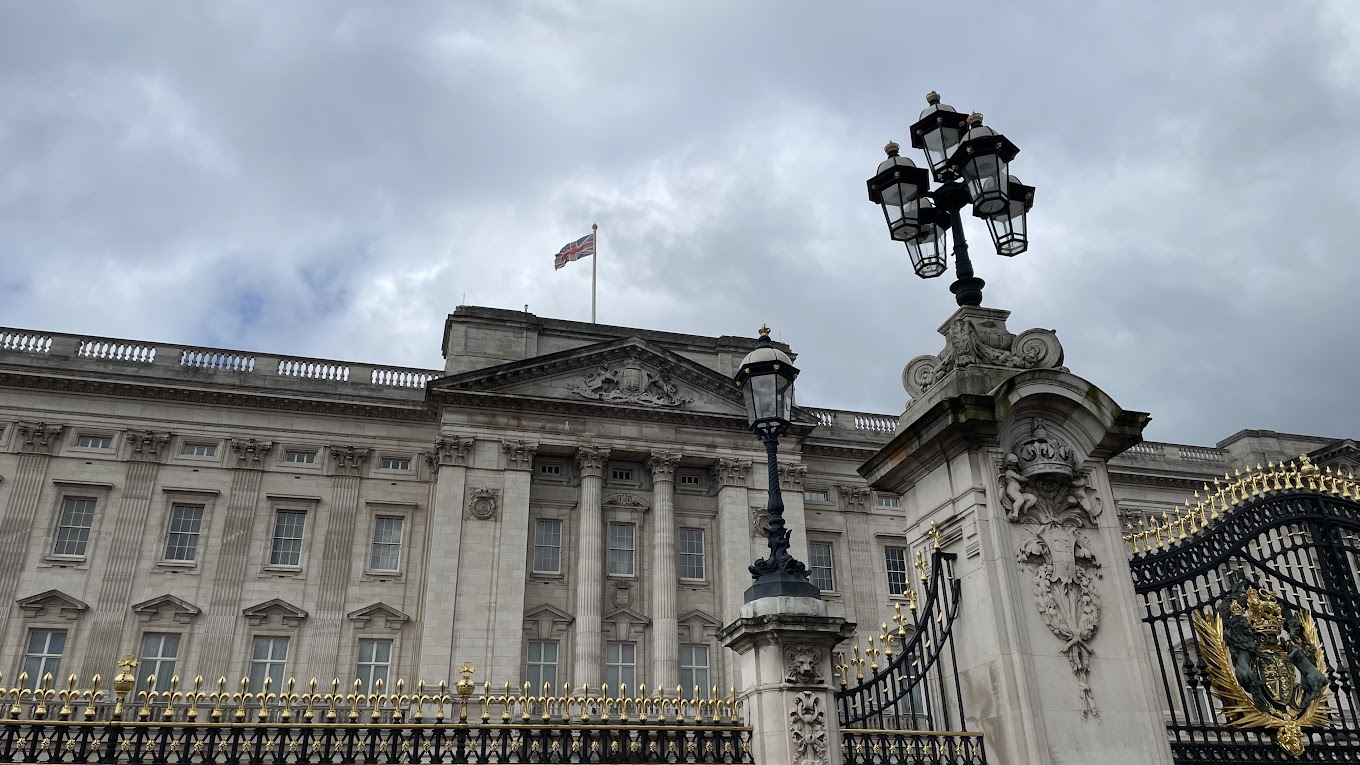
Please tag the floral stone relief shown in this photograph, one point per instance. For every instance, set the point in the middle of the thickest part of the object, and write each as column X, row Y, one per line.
column 978, row 336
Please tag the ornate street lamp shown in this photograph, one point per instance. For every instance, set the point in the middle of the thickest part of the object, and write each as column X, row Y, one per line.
column 766, row 378
column 971, row 163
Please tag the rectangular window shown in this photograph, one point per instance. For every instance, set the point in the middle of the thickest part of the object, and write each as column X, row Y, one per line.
column 199, row 450
column 620, row 666
column 694, row 671
column 550, row 469
column 820, row 567
column 889, row 501
column 896, row 560
column 300, row 457
column 73, row 529
column 44, row 655
column 159, row 652
column 181, row 542
column 691, row 553
column 94, row 442
column 287, row 547
column 540, row 667
column 267, row 658
column 912, row 701
column 548, row 546
column 395, row 463
column 621, row 549
column 621, row 474
column 386, row 544
column 690, row 479
column 814, row 496
column 375, row 662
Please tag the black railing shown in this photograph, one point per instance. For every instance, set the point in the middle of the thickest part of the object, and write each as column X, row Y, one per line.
column 905, row 704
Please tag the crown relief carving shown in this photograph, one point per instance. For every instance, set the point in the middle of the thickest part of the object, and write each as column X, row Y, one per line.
column 629, row 383
column 978, row 336
column 484, row 504
column 1049, row 499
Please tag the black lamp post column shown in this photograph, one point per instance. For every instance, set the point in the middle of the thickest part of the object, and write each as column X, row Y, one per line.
column 967, row 288
column 779, row 573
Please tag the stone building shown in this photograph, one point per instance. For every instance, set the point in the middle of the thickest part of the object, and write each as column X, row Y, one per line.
column 561, row 501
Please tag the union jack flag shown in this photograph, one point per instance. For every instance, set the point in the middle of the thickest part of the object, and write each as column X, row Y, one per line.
column 581, row 248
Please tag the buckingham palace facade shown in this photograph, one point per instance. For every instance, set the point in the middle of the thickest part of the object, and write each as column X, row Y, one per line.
column 560, row 502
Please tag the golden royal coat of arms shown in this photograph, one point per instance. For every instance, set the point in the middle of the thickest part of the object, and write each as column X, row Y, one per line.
column 1265, row 663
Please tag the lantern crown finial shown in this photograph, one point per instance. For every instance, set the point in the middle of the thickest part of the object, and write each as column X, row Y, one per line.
column 764, row 330
column 932, row 98
column 975, row 118
column 891, row 148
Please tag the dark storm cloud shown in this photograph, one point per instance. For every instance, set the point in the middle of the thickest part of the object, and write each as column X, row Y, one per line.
column 330, row 179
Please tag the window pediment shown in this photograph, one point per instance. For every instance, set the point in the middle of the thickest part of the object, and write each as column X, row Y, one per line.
column 624, row 623
column 547, row 622
column 378, row 615
column 166, row 608
column 52, row 603
column 276, row 611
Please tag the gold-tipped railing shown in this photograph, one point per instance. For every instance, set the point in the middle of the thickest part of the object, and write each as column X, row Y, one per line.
column 1235, row 489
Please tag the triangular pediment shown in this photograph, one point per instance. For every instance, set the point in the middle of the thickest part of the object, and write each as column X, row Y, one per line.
column 276, row 609
column 1343, row 455
column 378, row 614
column 53, row 602
column 627, row 615
column 698, row 617
column 630, row 372
column 166, row 607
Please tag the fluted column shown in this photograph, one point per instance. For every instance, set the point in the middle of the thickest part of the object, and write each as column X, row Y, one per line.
column 36, row 443
column 731, row 475
column 665, row 628
column 589, row 643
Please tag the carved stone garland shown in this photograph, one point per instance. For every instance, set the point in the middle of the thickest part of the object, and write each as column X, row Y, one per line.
column 1048, row 497
column 807, row 728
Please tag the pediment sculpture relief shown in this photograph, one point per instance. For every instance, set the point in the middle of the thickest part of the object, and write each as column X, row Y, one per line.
column 629, row 383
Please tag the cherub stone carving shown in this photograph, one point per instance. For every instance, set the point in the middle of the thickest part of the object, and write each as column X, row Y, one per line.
column 1015, row 500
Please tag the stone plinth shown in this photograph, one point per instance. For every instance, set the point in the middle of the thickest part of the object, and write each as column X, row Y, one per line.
column 784, row 649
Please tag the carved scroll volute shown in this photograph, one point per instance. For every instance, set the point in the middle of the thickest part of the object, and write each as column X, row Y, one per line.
column 1047, row 495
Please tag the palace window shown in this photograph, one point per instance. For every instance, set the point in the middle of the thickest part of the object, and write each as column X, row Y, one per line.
column 621, row 474
column 160, row 651
column 550, row 468
column 694, row 670
column 540, row 665
column 287, row 547
column 300, row 457
column 620, row 666
column 44, row 655
column 621, row 548
column 821, row 568
column 375, row 663
column 267, row 657
column 884, row 501
column 814, row 495
column 199, row 450
column 895, row 558
column 386, row 554
column 395, row 463
column 73, row 528
column 548, row 546
column 94, row 442
column 691, row 479
column 181, row 539
column 691, row 553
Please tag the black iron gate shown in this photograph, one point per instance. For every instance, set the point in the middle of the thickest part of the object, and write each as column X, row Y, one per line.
column 1251, row 604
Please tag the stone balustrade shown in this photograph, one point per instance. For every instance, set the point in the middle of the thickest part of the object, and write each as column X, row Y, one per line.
column 138, row 358
column 859, row 426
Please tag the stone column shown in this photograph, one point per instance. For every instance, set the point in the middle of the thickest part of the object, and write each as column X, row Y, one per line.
column 337, row 554
column 511, row 560
column 36, row 443
column 589, row 638
column 731, row 475
column 233, row 557
column 665, row 628
column 111, row 608
column 784, row 648
column 443, row 537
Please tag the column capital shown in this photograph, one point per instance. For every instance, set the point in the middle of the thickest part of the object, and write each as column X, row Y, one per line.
column 731, row 471
column 854, row 499
column 250, row 453
column 147, row 444
column 450, row 451
column 591, row 460
column 663, row 464
column 519, row 454
column 791, row 475
column 348, row 460
column 38, row 437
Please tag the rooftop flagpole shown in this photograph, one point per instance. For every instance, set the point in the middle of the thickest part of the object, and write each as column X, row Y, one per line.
column 594, row 268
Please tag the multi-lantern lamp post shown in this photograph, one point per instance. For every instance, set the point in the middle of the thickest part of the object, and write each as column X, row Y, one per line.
column 971, row 163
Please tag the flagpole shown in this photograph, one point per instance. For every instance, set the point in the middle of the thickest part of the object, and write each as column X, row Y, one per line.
column 594, row 268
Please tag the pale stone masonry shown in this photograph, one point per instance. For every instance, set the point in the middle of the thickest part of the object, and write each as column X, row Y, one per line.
column 332, row 517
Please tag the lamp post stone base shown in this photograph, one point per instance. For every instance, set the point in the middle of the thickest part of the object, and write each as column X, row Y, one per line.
column 784, row 645
column 781, row 586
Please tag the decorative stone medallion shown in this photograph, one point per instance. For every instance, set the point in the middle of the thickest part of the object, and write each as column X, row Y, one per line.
column 484, row 504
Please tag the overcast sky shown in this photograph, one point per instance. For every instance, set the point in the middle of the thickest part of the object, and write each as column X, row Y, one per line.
column 331, row 179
